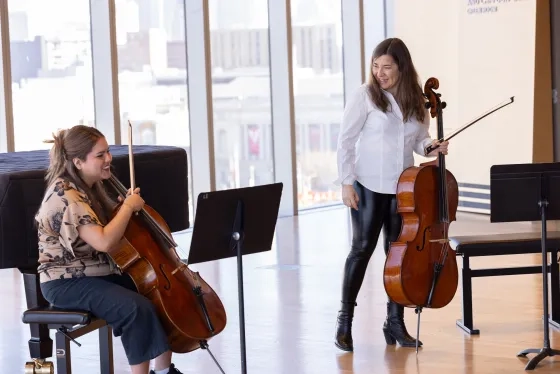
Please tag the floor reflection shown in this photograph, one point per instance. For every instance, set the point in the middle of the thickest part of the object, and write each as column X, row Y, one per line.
column 292, row 295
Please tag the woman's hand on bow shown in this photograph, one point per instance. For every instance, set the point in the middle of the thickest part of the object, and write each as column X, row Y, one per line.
column 136, row 191
column 442, row 147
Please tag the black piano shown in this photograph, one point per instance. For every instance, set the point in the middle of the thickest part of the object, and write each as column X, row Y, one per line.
column 161, row 174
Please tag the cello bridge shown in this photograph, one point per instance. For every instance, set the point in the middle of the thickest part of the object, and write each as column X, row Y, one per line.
column 439, row 240
column 179, row 268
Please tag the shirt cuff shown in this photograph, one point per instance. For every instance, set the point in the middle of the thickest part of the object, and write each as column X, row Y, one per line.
column 348, row 180
column 426, row 142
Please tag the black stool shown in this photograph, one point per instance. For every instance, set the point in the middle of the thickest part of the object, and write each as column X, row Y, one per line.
column 69, row 325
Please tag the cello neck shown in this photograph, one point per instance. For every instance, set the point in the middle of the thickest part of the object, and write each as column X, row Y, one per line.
column 442, row 175
column 121, row 189
column 147, row 218
column 436, row 107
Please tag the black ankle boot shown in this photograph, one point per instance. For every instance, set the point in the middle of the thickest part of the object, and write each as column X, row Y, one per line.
column 394, row 328
column 343, row 338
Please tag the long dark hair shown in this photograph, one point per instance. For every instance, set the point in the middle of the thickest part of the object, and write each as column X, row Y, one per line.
column 77, row 142
column 409, row 92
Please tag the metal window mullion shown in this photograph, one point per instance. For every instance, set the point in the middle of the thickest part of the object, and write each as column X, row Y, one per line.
column 105, row 69
column 7, row 142
column 199, row 88
column 376, row 18
column 388, row 18
column 353, row 45
column 282, row 103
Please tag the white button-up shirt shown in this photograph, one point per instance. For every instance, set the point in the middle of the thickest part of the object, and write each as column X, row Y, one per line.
column 375, row 147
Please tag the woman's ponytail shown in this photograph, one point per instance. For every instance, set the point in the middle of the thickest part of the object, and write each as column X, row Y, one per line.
column 58, row 156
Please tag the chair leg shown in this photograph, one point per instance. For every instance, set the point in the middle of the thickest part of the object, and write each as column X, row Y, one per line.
column 106, row 350
column 40, row 349
column 40, row 344
column 63, row 359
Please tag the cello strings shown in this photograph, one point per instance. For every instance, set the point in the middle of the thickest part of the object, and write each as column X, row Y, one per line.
column 445, row 246
column 121, row 191
column 165, row 238
column 147, row 217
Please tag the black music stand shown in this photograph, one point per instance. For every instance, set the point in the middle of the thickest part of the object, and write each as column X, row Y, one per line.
column 234, row 223
column 528, row 192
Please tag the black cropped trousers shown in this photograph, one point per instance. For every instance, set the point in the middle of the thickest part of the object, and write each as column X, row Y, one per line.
column 376, row 211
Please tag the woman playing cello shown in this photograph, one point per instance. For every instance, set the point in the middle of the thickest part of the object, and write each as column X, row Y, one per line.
column 75, row 238
column 388, row 117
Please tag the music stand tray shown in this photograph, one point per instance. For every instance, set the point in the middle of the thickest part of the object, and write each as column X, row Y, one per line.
column 528, row 192
column 233, row 223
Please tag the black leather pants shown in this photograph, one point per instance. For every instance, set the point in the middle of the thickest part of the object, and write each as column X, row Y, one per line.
column 376, row 211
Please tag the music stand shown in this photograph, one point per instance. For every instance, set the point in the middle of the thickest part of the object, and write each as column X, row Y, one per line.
column 232, row 223
column 528, row 192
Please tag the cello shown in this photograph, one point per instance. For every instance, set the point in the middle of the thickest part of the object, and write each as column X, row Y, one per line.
column 189, row 309
column 421, row 268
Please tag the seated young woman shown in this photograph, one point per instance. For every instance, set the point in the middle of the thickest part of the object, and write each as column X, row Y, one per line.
column 76, row 238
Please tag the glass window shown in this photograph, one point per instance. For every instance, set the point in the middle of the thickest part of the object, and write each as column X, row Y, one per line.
column 318, row 97
column 152, row 67
column 51, row 68
column 241, row 93
column 3, row 126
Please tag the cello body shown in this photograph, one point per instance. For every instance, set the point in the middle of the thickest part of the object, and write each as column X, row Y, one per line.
column 409, row 266
column 421, row 267
column 189, row 309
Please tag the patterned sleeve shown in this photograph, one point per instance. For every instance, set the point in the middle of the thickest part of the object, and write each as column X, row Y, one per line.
column 76, row 214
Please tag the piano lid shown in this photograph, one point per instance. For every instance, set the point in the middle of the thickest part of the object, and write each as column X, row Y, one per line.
column 160, row 172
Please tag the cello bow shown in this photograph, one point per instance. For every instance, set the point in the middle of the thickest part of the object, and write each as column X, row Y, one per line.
column 469, row 124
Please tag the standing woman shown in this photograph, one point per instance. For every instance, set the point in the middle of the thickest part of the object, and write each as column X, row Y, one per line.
column 76, row 238
column 384, row 122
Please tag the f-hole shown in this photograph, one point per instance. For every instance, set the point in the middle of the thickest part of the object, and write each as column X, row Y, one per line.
column 426, row 230
column 168, row 285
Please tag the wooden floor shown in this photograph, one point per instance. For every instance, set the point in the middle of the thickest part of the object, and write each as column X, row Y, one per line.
column 292, row 296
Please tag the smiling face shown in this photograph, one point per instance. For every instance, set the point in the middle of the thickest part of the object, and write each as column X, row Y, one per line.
column 386, row 73
column 96, row 166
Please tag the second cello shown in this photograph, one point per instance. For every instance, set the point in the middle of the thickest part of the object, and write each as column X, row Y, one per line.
column 421, row 268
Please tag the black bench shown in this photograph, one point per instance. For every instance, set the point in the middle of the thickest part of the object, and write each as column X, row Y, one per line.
column 506, row 244
column 69, row 325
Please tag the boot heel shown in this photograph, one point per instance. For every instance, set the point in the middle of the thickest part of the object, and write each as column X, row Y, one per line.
column 389, row 339
column 394, row 327
column 343, row 336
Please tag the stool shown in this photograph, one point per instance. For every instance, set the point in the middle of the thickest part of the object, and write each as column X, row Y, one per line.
column 69, row 325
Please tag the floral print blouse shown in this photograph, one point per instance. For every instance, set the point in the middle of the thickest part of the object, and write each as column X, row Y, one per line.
column 62, row 253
